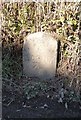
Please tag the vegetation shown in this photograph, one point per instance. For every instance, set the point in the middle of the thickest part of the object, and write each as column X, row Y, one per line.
column 20, row 19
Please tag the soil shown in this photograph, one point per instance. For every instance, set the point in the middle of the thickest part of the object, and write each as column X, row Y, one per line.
column 18, row 106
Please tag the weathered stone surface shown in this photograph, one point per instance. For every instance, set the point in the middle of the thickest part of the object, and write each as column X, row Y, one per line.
column 40, row 55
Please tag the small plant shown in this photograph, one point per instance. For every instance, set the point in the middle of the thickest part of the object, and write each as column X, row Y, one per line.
column 34, row 89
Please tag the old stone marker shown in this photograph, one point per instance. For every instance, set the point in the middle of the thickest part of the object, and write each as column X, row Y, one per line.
column 40, row 55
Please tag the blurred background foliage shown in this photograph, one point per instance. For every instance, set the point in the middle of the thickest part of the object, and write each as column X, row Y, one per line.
column 20, row 19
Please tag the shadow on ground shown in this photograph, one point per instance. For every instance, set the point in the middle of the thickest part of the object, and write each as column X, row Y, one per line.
column 44, row 105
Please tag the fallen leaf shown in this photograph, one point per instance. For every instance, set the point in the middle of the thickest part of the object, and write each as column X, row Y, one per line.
column 45, row 105
column 24, row 106
column 66, row 106
column 18, row 110
column 60, row 100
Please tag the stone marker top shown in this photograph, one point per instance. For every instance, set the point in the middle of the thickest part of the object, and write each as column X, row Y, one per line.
column 54, row 36
column 40, row 55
